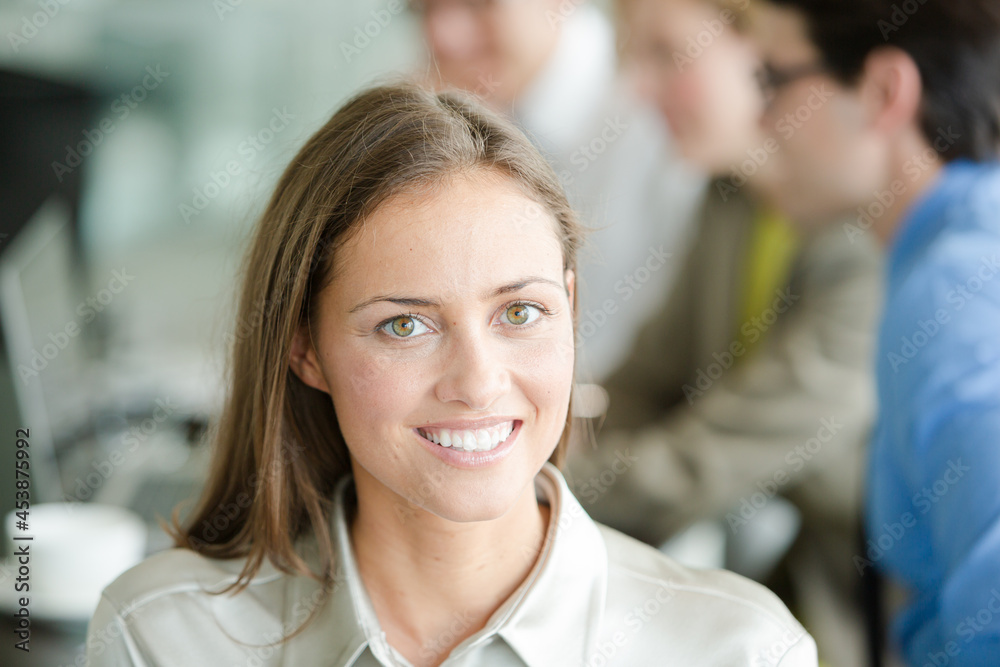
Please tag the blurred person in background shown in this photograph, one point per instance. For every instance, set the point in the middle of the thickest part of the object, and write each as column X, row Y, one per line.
column 907, row 148
column 754, row 379
column 550, row 65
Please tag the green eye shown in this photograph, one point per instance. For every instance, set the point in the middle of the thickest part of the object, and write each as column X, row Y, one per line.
column 518, row 313
column 403, row 326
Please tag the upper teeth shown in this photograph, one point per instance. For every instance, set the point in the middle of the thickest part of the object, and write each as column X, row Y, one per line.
column 480, row 439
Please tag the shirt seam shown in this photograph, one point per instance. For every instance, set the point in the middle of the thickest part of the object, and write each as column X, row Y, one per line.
column 776, row 620
column 134, row 653
column 788, row 651
column 125, row 610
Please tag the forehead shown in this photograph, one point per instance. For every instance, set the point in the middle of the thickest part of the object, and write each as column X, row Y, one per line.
column 464, row 234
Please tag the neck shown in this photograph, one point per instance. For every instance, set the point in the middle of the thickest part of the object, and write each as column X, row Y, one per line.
column 915, row 168
column 434, row 582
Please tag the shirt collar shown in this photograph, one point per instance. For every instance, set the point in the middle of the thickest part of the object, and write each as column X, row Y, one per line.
column 555, row 615
column 551, row 619
column 928, row 215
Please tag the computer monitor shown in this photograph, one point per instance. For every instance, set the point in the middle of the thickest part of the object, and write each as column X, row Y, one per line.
column 43, row 331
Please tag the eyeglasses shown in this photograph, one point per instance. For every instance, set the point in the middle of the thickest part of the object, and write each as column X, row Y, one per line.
column 772, row 79
column 422, row 7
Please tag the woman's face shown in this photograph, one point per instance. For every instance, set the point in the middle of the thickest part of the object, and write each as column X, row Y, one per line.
column 448, row 318
column 698, row 71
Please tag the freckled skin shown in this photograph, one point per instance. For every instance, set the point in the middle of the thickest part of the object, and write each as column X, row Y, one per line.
column 464, row 360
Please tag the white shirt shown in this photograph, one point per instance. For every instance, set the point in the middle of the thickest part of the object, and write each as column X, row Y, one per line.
column 615, row 158
column 594, row 598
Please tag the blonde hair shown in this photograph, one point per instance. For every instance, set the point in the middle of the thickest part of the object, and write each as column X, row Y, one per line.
column 278, row 448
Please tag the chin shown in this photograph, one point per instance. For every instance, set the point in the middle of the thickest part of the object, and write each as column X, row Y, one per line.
column 466, row 510
column 482, row 498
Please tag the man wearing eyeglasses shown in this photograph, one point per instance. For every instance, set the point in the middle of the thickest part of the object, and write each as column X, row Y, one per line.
column 907, row 146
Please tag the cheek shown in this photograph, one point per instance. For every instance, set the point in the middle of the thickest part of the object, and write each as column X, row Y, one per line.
column 688, row 91
column 373, row 390
column 812, row 137
column 545, row 374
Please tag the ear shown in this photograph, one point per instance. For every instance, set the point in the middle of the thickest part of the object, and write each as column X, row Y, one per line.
column 303, row 361
column 569, row 278
column 893, row 89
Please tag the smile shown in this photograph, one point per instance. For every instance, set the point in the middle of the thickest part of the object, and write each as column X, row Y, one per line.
column 471, row 440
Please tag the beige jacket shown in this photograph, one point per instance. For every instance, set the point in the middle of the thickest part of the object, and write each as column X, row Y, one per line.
column 794, row 413
column 686, row 439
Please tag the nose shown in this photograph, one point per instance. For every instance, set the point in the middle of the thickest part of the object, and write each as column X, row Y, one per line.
column 475, row 371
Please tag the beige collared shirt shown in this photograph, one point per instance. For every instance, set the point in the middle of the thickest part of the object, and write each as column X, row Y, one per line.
column 594, row 598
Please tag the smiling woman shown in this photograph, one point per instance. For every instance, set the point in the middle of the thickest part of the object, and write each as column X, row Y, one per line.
column 386, row 486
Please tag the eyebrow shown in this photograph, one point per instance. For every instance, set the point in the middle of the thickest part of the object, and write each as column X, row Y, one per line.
column 430, row 303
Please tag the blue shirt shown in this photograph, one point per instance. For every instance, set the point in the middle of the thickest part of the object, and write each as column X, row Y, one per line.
column 934, row 471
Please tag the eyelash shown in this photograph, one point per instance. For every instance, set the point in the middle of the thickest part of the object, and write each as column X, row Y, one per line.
column 545, row 312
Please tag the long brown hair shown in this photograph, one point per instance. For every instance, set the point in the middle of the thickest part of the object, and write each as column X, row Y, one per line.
column 278, row 448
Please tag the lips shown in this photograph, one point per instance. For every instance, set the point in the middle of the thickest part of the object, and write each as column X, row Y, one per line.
column 469, row 440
